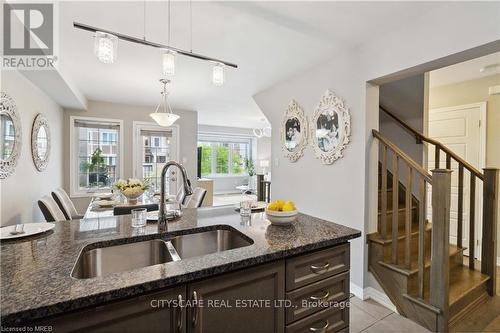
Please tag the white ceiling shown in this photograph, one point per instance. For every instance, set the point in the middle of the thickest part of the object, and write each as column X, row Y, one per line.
column 270, row 41
column 464, row 71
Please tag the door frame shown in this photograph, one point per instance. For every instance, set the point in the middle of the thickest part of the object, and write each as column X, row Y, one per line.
column 482, row 162
column 137, row 126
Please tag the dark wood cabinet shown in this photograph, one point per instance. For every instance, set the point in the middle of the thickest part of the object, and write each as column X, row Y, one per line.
column 150, row 313
column 281, row 296
column 245, row 301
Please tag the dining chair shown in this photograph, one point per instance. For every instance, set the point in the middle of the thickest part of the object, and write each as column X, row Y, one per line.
column 50, row 209
column 195, row 200
column 65, row 204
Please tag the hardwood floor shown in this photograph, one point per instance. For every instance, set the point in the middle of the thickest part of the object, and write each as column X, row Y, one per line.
column 486, row 318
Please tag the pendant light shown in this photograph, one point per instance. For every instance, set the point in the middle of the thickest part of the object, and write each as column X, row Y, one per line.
column 105, row 47
column 218, row 74
column 163, row 114
column 168, row 57
column 168, row 63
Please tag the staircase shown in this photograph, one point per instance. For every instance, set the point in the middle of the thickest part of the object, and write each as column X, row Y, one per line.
column 412, row 258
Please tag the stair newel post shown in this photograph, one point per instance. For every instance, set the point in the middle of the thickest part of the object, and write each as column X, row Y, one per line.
column 490, row 225
column 440, row 274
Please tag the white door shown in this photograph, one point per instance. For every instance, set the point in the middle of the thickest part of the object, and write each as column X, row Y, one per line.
column 460, row 128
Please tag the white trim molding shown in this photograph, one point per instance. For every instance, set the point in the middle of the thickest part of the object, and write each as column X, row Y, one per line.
column 137, row 126
column 74, row 193
column 374, row 294
column 379, row 297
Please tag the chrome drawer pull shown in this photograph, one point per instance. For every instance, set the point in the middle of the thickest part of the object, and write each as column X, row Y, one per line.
column 180, row 314
column 320, row 298
column 321, row 329
column 316, row 269
column 194, row 319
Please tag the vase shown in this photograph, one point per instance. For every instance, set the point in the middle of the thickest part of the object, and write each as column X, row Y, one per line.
column 132, row 197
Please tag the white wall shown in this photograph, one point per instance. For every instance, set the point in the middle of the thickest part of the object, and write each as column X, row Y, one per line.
column 188, row 125
column 21, row 191
column 345, row 192
column 405, row 98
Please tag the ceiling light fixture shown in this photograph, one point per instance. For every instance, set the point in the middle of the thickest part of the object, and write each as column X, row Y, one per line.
column 166, row 117
column 105, row 47
column 168, row 57
column 264, row 131
column 168, row 63
column 109, row 39
column 218, row 74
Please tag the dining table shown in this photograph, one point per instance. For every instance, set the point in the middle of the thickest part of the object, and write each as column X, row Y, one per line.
column 95, row 211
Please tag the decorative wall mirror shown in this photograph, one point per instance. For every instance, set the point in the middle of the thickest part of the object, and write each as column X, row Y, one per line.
column 10, row 136
column 294, row 131
column 330, row 128
column 40, row 142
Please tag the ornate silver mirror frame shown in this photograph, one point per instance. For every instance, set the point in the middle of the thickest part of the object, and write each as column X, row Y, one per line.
column 10, row 136
column 40, row 142
column 330, row 128
column 294, row 131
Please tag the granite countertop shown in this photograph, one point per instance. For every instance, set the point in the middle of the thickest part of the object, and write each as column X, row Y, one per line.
column 35, row 271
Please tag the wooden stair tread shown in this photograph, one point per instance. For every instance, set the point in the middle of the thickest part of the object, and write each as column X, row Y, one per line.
column 400, row 210
column 463, row 280
column 454, row 250
column 377, row 237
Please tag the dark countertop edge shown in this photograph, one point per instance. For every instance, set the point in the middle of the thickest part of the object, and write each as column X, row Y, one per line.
column 86, row 302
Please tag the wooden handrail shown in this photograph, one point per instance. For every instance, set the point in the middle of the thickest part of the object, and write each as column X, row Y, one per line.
column 403, row 155
column 421, row 137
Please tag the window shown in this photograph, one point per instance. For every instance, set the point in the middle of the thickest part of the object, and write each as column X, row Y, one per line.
column 224, row 156
column 153, row 152
column 95, row 153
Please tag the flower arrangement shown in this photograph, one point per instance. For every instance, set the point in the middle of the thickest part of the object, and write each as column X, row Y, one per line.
column 131, row 188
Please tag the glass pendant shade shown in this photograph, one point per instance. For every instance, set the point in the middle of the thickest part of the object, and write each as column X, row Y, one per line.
column 218, row 75
column 163, row 114
column 105, row 47
column 164, row 119
column 168, row 63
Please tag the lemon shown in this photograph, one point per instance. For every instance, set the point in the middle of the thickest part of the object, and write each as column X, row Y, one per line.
column 288, row 206
column 279, row 204
column 273, row 206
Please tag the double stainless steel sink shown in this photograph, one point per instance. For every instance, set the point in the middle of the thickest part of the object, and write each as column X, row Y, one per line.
column 102, row 261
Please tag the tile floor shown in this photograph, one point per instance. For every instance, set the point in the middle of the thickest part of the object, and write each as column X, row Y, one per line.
column 369, row 316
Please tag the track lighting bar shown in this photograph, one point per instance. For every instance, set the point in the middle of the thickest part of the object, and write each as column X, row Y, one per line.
column 152, row 44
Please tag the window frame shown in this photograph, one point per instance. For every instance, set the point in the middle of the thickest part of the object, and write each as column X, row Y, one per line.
column 136, row 137
column 74, row 163
column 230, row 139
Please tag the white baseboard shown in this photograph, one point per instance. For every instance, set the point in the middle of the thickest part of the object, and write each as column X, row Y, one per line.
column 380, row 298
column 374, row 294
column 357, row 291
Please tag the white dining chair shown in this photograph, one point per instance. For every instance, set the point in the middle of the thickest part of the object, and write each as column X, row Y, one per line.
column 50, row 209
column 195, row 200
column 65, row 204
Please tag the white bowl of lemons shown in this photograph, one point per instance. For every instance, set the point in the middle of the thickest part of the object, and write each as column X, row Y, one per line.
column 281, row 212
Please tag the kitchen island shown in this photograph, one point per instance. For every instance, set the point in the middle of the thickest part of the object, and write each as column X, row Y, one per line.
column 37, row 285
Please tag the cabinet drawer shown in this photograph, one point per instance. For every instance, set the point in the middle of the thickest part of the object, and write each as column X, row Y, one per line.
column 309, row 268
column 327, row 321
column 317, row 296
